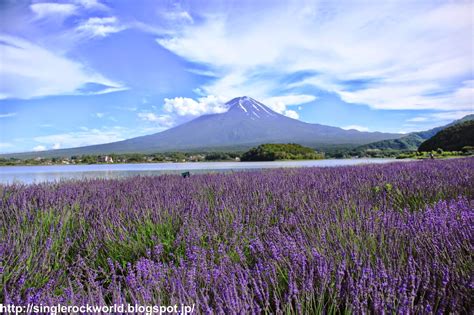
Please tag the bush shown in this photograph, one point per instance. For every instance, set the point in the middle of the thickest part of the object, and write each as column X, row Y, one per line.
column 272, row 152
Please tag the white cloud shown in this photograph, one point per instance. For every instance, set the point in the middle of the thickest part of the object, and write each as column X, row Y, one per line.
column 92, row 4
column 404, row 131
column 292, row 114
column 29, row 71
column 53, row 10
column 417, row 119
column 205, row 73
column 99, row 115
column 177, row 16
column 148, row 116
column 404, row 96
column 127, row 108
column 356, row 127
column 81, row 138
column 407, row 52
column 100, row 26
column 293, row 99
column 85, row 136
column 39, row 148
column 184, row 106
column 4, row 145
column 445, row 116
column 174, row 14
column 451, row 115
column 163, row 120
column 6, row 115
column 280, row 103
column 108, row 90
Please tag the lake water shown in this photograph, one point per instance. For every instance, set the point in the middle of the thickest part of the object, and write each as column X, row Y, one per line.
column 37, row 174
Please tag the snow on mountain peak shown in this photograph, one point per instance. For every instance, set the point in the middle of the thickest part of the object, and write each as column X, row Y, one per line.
column 250, row 107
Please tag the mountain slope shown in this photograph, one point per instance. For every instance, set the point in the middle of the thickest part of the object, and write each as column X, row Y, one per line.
column 413, row 140
column 247, row 123
column 453, row 138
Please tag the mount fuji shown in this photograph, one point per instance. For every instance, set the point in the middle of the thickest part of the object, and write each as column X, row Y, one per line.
column 246, row 123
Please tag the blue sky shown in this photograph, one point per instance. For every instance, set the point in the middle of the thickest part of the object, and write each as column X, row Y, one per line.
column 83, row 72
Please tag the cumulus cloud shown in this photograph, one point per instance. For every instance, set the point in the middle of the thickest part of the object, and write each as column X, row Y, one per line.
column 293, row 99
column 412, row 55
column 280, row 103
column 100, row 26
column 163, row 120
column 39, row 148
column 292, row 114
column 183, row 106
column 29, row 71
column 356, row 127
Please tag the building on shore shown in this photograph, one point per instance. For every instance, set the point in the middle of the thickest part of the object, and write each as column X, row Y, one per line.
column 105, row 159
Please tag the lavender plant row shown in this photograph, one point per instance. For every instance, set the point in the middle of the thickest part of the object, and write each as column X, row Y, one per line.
column 395, row 238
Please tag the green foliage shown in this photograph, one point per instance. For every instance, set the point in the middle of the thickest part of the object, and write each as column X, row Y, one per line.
column 88, row 159
column 221, row 156
column 51, row 245
column 127, row 245
column 453, row 138
column 412, row 141
column 272, row 152
column 408, row 142
column 468, row 149
column 435, row 154
column 135, row 158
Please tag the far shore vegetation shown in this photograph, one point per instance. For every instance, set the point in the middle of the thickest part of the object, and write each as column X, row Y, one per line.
column 264, row 152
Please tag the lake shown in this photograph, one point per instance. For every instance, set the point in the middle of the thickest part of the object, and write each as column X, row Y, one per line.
column 47, row 173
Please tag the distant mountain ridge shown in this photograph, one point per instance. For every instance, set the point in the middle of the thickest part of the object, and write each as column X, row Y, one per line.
column 411, row 141
column 247, row 123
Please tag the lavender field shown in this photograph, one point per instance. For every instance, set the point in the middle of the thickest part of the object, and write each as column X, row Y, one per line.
column 395, row 238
